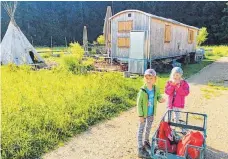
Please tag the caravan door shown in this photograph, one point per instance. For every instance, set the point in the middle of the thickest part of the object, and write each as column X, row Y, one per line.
column 137, row 62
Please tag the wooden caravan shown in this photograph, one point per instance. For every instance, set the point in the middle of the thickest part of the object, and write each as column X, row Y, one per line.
column 140, row 38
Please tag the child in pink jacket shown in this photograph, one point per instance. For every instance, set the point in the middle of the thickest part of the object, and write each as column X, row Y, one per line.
column 176, row 89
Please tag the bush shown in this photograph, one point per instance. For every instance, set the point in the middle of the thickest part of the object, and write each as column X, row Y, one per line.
column 93, row 51
column 74, row 66
column 101, row 40
column 89, row 64
column 202, row 37
column 77, row 50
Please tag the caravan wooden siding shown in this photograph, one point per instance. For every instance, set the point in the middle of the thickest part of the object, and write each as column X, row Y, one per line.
column 120, row 26
column 178, row 44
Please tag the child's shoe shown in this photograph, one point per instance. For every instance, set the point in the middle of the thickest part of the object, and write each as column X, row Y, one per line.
column 147, row 145
column 142, row 153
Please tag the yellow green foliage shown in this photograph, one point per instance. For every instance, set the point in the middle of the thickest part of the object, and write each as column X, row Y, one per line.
column 41, row 109
column 202, row 36
column 101, row 39
column 220, row 50
column 77, row 50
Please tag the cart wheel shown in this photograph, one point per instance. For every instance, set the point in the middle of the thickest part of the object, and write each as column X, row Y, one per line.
column 188, row 157
column 204, row 154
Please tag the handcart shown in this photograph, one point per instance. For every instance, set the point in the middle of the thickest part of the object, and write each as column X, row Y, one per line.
column 179, row 129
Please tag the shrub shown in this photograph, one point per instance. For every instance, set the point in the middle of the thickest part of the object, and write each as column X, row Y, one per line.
column 73, row 65
column 202, row 37
column 77, row 50
column 101, row 40
column 89, row 64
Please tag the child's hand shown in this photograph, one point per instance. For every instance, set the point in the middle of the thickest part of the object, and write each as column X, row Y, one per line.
column 175, row 82
column 162, row 100
column 141, row 119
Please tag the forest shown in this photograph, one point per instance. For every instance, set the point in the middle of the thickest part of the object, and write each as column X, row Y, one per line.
column 43, row 21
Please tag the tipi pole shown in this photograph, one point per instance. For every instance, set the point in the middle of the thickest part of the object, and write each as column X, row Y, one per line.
column 51, row 46
column 32, row 40
column 66, row 43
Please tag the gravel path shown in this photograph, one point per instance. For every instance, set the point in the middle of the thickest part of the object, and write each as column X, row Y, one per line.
column 116, row 138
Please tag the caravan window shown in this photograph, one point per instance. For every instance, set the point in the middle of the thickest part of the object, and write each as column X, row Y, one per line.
column 167, row 33
column 125, row 26
column 123, row 42
column 190, row 36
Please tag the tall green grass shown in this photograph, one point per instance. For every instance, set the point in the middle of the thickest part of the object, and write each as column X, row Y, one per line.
column 41, row 109
column 220, row 50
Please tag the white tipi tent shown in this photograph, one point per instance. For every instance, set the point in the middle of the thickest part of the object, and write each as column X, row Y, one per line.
column 15, row 47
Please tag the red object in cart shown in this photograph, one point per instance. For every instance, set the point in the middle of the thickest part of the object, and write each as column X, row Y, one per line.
column 165, row 133
column 194, row 139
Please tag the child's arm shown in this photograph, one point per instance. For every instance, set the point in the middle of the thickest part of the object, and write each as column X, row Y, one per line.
column 184, row 89
column 140, row 104
column 159, row 96
column 169, row 88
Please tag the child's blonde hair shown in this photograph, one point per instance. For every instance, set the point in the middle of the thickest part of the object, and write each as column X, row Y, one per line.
column 175, row 70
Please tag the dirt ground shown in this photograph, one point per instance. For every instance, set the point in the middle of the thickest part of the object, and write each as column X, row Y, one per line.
column 116, row 138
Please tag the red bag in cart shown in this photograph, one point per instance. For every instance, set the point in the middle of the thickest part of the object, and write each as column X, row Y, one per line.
column 192, row 138
column 165, row 133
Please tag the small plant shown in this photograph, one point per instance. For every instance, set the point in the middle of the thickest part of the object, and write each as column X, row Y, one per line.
column 93, row 51
column 72, row 64
column 77, row 50
column 101, row 40
column 89, row 64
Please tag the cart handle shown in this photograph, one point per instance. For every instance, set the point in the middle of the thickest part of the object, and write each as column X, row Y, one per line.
column 188, row 126
column 205, row 115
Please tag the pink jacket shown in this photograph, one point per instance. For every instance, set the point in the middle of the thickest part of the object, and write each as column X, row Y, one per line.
column 176, row 94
